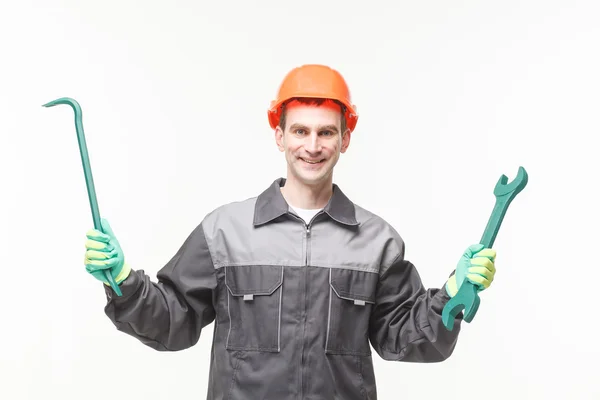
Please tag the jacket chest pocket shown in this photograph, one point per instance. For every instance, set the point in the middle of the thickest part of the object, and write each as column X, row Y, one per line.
column 254, row 307
column 351, row 298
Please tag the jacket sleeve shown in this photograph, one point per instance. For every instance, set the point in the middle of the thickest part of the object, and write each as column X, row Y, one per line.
column 168, row 315
column 406, row 323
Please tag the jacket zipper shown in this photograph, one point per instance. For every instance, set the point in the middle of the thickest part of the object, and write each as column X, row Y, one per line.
column 307, row 227
column 306, row 262
column 306, row 255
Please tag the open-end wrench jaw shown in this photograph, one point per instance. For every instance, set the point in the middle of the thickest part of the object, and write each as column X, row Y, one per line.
column 503, row 188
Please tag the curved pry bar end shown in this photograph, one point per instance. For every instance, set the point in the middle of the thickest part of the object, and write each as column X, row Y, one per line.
column 64, row 100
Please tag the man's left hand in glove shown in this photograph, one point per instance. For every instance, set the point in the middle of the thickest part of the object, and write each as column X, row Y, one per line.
column 477, row 265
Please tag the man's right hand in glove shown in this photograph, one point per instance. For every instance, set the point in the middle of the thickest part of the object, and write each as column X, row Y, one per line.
column 103, row 252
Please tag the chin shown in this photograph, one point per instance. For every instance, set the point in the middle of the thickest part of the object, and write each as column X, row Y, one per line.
column 310, row 174
column 311, row 177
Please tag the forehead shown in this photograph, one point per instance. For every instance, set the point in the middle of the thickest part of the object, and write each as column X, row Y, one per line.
column 308, row 114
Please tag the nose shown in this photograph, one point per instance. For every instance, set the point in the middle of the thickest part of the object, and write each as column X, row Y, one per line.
column 312, row 143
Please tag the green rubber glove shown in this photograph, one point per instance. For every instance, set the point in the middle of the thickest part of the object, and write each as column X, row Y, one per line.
column 477, row 264
column 103, row 251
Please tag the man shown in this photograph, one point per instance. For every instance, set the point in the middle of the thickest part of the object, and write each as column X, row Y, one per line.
column 299, row 281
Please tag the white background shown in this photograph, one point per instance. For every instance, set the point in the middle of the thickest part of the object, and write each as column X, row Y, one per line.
column 451, row 95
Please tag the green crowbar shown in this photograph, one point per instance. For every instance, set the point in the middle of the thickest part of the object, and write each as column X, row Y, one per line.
column 467, row 297
column 87, row 170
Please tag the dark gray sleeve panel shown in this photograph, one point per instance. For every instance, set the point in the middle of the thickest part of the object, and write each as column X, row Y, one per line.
column 406, row 323
column 169, row 315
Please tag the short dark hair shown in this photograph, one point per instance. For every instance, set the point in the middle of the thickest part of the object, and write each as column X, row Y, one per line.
column 313, row 102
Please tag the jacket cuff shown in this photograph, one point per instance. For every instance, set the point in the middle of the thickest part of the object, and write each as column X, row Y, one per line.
column 444, row 295
column 128, row 287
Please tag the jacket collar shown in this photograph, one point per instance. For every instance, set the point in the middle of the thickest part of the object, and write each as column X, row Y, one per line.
column 271, row 204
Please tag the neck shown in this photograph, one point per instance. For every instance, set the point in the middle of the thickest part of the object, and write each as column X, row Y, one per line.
column 304, row 196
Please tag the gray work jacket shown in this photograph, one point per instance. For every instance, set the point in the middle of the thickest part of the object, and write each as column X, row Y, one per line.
column 297, row 306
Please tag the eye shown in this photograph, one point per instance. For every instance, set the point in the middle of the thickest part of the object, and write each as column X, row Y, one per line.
column 299, row 131
column 326, row 133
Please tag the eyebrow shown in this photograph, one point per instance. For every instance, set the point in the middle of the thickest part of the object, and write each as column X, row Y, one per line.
column 325, row 127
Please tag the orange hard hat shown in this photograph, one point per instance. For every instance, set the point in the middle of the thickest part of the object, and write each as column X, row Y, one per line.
column 313, row 81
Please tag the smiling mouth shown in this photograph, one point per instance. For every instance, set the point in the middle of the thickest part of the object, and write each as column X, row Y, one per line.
column 312, row 162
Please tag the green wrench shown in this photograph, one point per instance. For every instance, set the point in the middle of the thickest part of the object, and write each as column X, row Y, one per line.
column 467, row 297
column 87, row 170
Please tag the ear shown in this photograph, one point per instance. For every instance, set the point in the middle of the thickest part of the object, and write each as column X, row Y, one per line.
column 345, row 140
column 279, row 138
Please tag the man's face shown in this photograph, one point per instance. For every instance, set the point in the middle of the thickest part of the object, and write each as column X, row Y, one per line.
column 312, row 141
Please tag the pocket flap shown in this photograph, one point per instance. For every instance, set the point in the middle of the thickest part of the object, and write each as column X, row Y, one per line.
column 253, row 280
column 357, row 286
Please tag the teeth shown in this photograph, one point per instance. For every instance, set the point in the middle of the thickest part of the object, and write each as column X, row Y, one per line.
column 311, row 162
